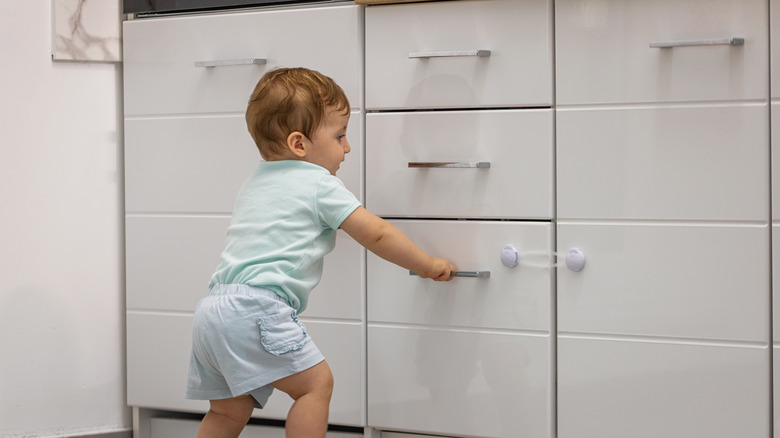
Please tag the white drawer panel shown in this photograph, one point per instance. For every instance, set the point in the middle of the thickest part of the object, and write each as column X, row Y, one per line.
column 692, row 162
column 616, row 388
column 160, row 54
column 170, row 261
column 158, row 351
column 512, row 298
column 685, row 281
column 776, row 281
column 602, row 58
column 198, row 164
column 186, row 164
column 776, row 387
column 518, row 144
column 458, row 382
column 517, row 72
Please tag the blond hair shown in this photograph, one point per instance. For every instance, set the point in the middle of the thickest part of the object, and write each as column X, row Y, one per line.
column 286, row 100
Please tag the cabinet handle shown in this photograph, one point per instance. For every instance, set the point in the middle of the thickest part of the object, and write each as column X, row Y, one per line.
column 733, row 41
column 226, row 62
column 450, row 164
column 466, row 274
column 450, row 53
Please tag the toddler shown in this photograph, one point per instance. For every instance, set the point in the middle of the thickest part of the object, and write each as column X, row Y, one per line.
column 247, row 339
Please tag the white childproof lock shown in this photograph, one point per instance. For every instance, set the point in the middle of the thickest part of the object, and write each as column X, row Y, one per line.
column 511, row 257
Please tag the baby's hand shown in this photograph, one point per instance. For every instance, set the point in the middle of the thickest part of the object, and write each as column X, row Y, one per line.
column 440, row 270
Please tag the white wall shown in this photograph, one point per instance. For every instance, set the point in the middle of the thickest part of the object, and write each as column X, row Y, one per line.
column 61, row 264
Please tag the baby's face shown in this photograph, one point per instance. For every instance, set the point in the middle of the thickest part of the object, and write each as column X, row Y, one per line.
column 329, row 141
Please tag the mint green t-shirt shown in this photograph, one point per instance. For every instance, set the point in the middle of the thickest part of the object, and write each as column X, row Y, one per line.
column 284, row 222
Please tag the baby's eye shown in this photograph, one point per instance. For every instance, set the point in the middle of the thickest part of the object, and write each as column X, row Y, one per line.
column 340, row 137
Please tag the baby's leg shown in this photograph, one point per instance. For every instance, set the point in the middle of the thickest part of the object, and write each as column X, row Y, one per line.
column 226, row 418
column 311, row 389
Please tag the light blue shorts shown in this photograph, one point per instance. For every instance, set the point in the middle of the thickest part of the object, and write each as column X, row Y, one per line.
column 244, row 338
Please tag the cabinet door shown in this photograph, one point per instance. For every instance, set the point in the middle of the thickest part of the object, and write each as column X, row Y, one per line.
column 459, row 54
column 491, row 384
column 158, row 353
column 160, row 56
column 517, row 145
column 606, row 50
column 664, row 332
column 667, row 163
column 613, row 388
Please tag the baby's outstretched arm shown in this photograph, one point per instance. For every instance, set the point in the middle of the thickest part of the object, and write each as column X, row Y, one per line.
column 390, row 243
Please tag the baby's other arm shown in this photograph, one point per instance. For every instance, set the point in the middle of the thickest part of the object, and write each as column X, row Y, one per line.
column 390, row 243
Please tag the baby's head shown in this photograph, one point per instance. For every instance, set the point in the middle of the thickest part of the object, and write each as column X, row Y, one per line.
column 287, row 100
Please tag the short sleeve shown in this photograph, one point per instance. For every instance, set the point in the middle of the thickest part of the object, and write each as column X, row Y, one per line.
column 334, row 202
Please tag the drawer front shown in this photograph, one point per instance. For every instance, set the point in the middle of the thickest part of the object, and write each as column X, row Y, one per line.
column 405, row 44
column 160, row 56
column 684, row 281
column 158, row 352
column 198, row 164
column 518, row 144
column 171, row 259
column 512, row 298
column 195, row 164
column 458, row 382
column 602, row 59
column 692, row 163
column 615, row 388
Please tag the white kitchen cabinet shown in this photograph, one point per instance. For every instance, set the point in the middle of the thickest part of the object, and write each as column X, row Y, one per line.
column 605, row 54
column 187, row 153
column 473, row 356
column 495, row 53
column 514, row 146
column 662, row 183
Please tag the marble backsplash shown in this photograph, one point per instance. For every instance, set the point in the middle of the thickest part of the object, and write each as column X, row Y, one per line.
column 86, row 30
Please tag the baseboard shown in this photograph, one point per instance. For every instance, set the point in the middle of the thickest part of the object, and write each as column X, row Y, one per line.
column 119, row 434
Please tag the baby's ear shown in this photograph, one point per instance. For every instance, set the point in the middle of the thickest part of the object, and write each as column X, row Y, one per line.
column 297, row 143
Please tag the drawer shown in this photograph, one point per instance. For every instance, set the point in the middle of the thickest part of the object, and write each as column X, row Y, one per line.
column 198, row 164
column 411, row 48
column 600, row 58
column 160, row 75
column 461, row 383
column 691, row 163
column 691, row 281
column 170, row 260
column 616, row 388
column 517, row 144
column 511, row 298
column 158, row 352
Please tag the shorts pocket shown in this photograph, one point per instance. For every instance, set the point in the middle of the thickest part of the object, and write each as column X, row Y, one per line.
column 281, row 333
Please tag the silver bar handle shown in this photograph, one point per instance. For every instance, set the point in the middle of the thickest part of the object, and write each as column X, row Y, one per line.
column 449, row 164
column 229, row 62
column 732, row 41
column 466, row 274
column 482, row 53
